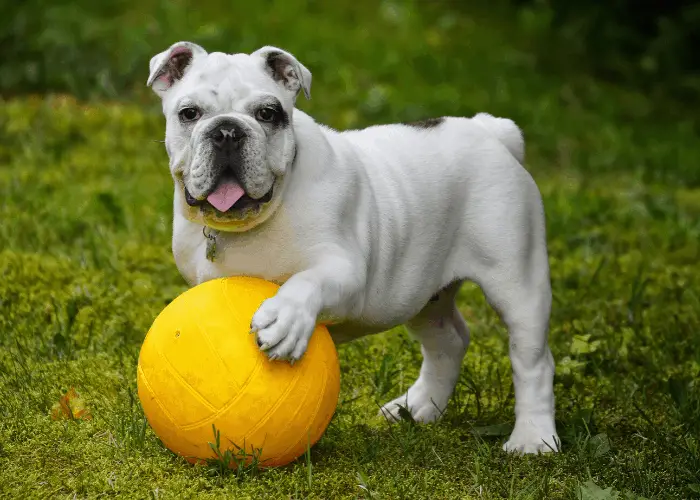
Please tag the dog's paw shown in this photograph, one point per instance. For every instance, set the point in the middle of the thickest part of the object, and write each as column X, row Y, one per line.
column 424, row 403
column 533, row 435
column 283, row 328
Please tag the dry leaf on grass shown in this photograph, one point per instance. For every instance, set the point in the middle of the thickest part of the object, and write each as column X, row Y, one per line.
column 70, row 406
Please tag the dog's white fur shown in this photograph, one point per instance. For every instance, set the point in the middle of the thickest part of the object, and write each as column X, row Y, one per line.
column 370, row 224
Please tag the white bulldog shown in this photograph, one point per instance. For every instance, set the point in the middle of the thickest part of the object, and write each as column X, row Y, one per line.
column 364, row 229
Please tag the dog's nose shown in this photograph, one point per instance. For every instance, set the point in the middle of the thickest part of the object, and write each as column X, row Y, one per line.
column 226, row 135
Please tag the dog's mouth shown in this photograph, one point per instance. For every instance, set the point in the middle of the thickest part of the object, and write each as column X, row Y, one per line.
column 228, row 197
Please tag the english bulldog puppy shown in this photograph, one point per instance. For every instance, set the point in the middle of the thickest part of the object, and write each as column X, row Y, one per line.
column 363, row 229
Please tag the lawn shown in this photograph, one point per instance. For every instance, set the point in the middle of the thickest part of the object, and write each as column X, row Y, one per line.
column 85, row 260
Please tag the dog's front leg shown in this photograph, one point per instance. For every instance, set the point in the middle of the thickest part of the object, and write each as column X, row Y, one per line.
column 285, row 322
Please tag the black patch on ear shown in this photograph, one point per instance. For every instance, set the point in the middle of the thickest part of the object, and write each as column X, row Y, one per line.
column 277, row 62
column 277, row 65
column 176, row 65
column 429, row 123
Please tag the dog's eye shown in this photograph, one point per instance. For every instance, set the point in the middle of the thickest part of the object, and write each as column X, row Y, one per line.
column 266, row 114
column 189, row 114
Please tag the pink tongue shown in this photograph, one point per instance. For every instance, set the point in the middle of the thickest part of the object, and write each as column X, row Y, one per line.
column 227, row 193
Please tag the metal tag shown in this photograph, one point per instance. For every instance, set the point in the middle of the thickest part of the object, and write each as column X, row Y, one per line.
column 211, row 243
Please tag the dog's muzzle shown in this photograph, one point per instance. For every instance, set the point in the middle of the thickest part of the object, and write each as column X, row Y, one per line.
column 227, row 137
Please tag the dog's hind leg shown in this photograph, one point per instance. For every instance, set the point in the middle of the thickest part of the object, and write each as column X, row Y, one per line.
column 523, row 303
column 514, row 276
column 444, row 338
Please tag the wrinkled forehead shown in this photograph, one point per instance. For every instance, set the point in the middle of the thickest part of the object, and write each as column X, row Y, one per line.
column 226, row 78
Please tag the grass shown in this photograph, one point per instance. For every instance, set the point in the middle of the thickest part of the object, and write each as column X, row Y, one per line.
column 86, row 266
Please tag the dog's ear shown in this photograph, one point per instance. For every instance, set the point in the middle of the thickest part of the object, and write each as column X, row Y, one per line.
column 171, row 65
column 284, row 68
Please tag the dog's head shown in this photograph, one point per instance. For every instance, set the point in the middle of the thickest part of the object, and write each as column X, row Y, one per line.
column 228, row 129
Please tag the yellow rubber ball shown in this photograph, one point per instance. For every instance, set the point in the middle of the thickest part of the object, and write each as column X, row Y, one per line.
column 199, row 366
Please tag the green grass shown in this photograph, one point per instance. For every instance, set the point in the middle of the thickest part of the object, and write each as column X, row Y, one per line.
column 85, row 261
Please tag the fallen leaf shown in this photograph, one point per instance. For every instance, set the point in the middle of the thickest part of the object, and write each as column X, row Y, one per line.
column 599, row 444
column 70, row 406
column 591, row 491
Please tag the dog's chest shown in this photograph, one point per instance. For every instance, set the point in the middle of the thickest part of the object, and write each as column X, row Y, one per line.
column 262, row 257
column 200, row 256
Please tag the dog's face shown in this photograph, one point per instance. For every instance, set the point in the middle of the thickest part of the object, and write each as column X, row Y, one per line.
column 229, row 129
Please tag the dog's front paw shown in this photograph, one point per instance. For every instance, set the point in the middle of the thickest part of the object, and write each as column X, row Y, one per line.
column 533, row 435
column 283, row 328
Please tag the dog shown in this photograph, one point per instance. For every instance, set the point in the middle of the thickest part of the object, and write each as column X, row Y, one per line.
column 363, row 229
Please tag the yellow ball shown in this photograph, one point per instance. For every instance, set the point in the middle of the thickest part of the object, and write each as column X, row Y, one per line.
column 199, row 366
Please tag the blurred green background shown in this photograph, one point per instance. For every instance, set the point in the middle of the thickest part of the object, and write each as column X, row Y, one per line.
column 379, row 61
column 607, row 95
column 649, row 44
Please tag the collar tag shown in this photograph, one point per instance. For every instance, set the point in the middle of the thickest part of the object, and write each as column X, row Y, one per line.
column 211, row 242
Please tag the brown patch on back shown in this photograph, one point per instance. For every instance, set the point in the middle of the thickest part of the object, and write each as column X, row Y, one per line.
column 428, row 123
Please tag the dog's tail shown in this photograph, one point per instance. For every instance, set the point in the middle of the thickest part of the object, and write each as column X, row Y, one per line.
column 506, row 131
